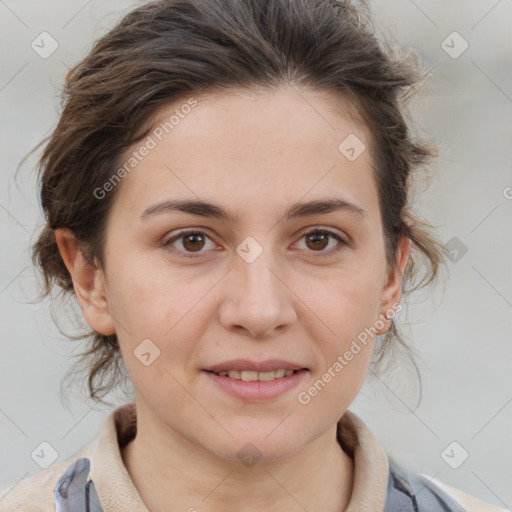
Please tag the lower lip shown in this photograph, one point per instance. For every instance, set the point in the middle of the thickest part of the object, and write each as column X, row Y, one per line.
column 257, row 390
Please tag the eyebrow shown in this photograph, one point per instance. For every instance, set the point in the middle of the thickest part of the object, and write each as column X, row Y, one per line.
column 207, row 209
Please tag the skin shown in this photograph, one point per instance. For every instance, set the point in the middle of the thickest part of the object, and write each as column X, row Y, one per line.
column 253, row 153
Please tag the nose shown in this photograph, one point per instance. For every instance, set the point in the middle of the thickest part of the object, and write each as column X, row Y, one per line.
column 258, row 301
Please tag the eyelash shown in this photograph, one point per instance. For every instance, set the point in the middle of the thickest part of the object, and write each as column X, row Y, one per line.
column 331, row 234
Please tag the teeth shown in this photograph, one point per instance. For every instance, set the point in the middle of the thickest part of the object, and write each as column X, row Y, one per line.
column 254, row 376
column 249, row 376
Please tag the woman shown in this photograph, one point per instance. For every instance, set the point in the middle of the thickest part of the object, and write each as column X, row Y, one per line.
column 269, row 134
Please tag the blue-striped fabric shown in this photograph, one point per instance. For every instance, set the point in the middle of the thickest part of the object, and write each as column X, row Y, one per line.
column 406, row 492
column 410, row 492
column 75, row 491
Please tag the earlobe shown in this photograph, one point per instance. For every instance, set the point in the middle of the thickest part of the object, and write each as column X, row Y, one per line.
column 88, row 282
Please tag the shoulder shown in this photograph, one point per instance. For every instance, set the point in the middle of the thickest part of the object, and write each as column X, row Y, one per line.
column 35, row 493
column 469, row 503
column 408, row 490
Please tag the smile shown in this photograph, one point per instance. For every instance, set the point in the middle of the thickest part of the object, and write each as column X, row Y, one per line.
column 256, row 386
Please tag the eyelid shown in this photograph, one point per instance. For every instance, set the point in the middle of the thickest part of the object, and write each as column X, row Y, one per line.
column 327, row 229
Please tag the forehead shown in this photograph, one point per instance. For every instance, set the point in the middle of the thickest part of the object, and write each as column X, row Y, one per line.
column 267, row 119
column 252, row 147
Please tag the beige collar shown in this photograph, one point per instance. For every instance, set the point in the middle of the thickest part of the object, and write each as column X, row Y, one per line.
column 117, row 492
column 370, row 463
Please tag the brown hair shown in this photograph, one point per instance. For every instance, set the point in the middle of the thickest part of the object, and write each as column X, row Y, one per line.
column 171, row 49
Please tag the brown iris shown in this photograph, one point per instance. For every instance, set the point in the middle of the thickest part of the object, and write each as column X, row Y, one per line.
column 190, row 241
column 320, row 240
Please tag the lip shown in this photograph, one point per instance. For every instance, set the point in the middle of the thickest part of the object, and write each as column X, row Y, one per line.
column 269, row 365
column 257, row 390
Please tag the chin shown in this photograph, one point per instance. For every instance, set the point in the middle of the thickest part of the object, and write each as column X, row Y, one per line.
column 262, row 443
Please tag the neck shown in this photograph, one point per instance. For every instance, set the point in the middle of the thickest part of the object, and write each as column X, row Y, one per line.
column 167, row 468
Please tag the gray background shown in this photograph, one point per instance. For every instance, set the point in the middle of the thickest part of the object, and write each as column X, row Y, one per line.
column 462, row 332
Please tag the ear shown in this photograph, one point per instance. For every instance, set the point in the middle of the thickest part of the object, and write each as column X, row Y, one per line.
column 88, row 282
column 392, row 290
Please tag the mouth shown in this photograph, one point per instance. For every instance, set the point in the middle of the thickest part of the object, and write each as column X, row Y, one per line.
column 252, row 376
column 256, row 386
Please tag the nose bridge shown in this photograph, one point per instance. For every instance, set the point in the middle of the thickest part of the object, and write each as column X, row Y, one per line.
column 256, row 263
column 261, row 288
column 260, row 277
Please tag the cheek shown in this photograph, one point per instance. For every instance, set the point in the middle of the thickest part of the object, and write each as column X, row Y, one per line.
column 150, row 301
column 140, row 292
column 348, row 309
column 348, row 313
column 349, row 301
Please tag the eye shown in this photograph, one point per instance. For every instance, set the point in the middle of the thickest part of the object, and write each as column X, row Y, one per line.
column 191, row 241
column 318, row 239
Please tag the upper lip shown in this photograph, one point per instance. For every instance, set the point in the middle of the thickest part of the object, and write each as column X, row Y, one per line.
column 253, row 366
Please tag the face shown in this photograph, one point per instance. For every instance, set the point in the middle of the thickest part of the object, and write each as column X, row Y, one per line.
column 277, row 282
